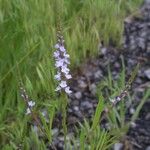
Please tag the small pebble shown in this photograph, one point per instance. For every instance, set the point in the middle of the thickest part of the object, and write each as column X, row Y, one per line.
column 75, row 103
column 86, row 105
column 118, row 146
column 147, row 116
column 133, row 124
column 147, row 2
column 82, row 84
column 148, row 148
column 103, row 50
column 78, row 95
column 132, row 111
column 76, row 108
column 98, row 74
column 147, row 73
column 93, row 88
column 55, row 131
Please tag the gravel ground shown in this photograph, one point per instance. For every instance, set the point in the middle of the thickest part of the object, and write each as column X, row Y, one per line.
column 83, row 101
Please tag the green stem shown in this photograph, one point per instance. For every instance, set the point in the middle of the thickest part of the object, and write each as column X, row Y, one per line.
column 64, row 115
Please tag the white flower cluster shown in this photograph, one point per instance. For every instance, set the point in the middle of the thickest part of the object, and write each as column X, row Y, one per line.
column 30, row 106
column 119, row 98
column 29, row 103
column 61, row 63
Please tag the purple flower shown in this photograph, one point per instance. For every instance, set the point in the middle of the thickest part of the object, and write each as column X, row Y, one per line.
column 68, row 76
column 62, row 49
column 61, row 63
column 58, row 76
column 28, row 111
column 29, row 103
column 56, row 54
column 65, row 70
column 67, row 90
column 58, row 88
column 66, row 55
column 63, row 84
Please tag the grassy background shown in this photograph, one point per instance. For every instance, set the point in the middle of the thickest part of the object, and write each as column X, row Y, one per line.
column 27, row 39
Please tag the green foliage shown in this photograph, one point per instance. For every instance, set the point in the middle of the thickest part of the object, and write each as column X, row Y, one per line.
column 98, row 138
column 99, row 109
column 116, row 114
column 64, row 101
column 143, row 100
column 27, row 37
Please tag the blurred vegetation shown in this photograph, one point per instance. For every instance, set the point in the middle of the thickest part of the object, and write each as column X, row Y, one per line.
column 27, row 39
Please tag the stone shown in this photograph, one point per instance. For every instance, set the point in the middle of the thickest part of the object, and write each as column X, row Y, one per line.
column 86, row 105
column 82, row 84
column 147, row 2
column 76, row 108
column 147, row 73
column 75, row 103
column 93, row 88
column 132, row 111
column 70, row 110
column 148, row 148
column 133, row 124
column 78, row 114
column 103, row 50
column 98, row 74
column 117, row 65
column 118, row 146
column 55, row 132
column 78, row 95
column 147, row 117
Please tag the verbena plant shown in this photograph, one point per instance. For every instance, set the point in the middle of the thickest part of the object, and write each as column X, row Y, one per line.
column 27, row 31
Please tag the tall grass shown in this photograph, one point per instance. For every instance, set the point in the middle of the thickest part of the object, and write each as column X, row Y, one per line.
column 27, row 36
